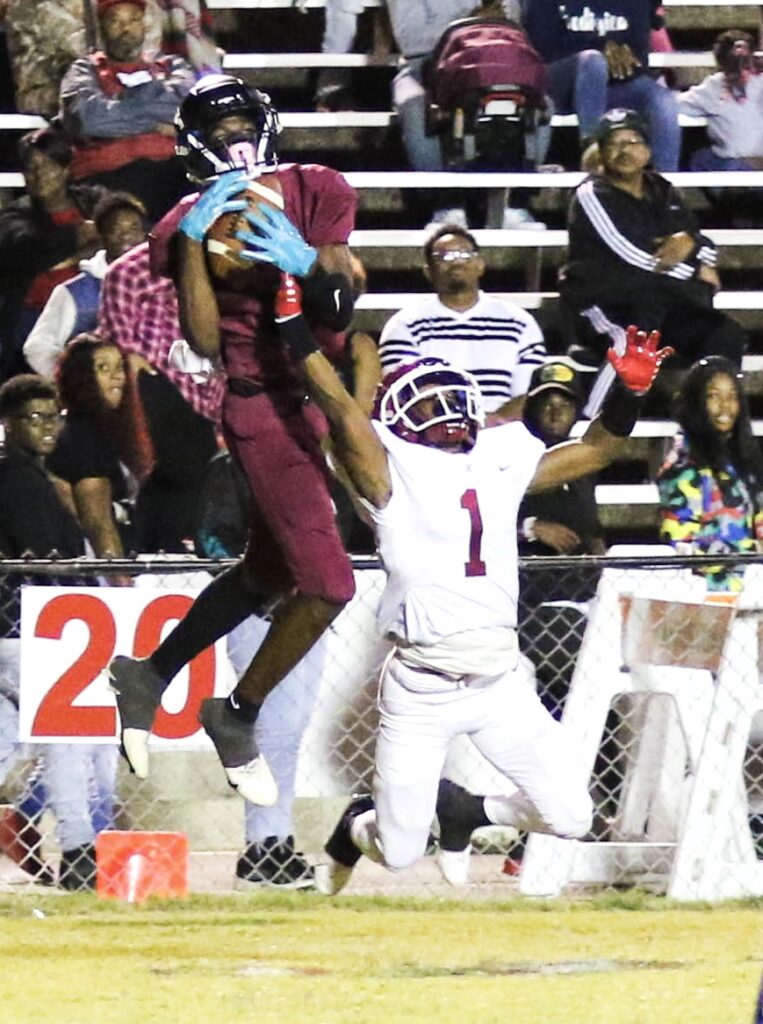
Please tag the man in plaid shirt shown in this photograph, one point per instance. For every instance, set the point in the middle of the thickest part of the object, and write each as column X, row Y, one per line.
column 140, row 313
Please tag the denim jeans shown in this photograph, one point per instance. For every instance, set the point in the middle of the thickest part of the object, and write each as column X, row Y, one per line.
column 707, row 160
column 580, row 84
column 78, row 778
column 409, row 99
column 339, row 31
column 280, row 725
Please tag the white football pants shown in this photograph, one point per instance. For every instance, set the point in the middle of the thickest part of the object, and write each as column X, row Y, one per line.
column 510, row 727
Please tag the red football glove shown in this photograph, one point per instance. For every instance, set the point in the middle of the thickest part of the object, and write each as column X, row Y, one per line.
column 641, row 361
column 288, row 302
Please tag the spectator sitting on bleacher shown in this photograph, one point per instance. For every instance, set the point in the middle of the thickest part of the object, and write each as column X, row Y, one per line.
column 562, row 521
column 139, row 312
column 184, row 27
column 43, row 39
column 496, row 340
column 72, row 308
column 711, row 485
column 732, row 101
column 598, row 55
column 43, row 236
column 417, row 28
column 635, row 254
column 118, row 106
column 332, row 89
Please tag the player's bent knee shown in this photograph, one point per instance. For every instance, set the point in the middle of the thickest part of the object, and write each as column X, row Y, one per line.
column 401, row 853
column 576, row 819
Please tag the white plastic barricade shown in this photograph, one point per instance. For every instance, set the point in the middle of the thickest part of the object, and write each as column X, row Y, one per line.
column 682, row 817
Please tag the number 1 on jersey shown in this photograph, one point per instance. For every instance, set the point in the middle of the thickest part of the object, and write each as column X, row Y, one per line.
column 475, row 566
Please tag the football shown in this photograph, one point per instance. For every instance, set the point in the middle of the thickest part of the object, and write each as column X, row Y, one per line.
column 223, row 247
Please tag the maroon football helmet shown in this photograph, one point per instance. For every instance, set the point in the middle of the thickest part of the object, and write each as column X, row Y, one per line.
column 433, row 403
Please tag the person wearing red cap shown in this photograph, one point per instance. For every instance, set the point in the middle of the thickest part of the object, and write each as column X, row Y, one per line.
column 118, row 107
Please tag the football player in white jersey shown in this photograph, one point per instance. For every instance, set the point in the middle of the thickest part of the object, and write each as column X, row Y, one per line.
column 443, row 493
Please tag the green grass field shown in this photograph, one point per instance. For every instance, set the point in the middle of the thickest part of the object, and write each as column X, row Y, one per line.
column 285, row 958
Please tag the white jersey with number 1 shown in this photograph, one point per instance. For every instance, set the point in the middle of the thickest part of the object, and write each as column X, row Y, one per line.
column 447, row 539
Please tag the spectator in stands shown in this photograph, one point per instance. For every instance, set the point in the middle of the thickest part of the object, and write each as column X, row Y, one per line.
column 184, row 28
column 711, row 485
column 118, row 106
column 37, row 518
column 340, row 28
column 560, row 521
column 139, row 312
column 120, row 220
column 732, row 101
column 44, row 37
column 499, row 342
column 635, row 253
column 42, row 238
column 7, row 87
column 563, row 521
column 417, row 29
column 104, row 451
column 598, row 56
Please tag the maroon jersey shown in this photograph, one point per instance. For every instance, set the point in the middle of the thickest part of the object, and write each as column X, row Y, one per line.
column 321, row 205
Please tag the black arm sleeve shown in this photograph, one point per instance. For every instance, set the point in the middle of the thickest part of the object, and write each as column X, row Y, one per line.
column 620, row 409
column 327, row 299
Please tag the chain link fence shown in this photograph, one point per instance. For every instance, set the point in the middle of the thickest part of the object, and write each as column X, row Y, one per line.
column 655, row 678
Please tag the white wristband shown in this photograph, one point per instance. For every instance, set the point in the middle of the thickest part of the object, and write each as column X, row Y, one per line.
column 528, row 528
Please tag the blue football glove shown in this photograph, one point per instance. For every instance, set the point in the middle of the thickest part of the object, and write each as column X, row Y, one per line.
column 213, row 203
column 277, row 241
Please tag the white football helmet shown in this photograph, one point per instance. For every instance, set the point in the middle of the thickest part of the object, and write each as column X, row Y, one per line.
column 432, row 402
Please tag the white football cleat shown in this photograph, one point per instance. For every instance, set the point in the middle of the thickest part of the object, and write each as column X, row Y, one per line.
column 135, row 749
column 331, row 876
column 246, row 769
column 138, row 688
column 254, row 782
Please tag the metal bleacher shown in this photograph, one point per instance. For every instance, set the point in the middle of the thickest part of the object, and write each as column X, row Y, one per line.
column 364, row 143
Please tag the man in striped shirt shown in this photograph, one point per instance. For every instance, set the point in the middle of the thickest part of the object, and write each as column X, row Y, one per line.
column 637, row 256
column 497, row 341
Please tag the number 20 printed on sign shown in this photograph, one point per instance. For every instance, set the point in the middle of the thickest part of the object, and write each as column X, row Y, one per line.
column 68, row 638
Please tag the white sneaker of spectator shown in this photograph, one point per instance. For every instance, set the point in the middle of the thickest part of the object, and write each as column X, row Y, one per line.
column 514, row 220
column 455, row 216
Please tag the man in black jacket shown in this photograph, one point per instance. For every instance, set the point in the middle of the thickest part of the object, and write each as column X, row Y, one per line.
column 637, row 256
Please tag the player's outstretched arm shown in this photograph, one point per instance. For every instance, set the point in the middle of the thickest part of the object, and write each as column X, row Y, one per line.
column 356, row 444
column 636, row 371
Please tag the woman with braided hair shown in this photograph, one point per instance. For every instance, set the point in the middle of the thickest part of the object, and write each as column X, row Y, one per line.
column 711, row 485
